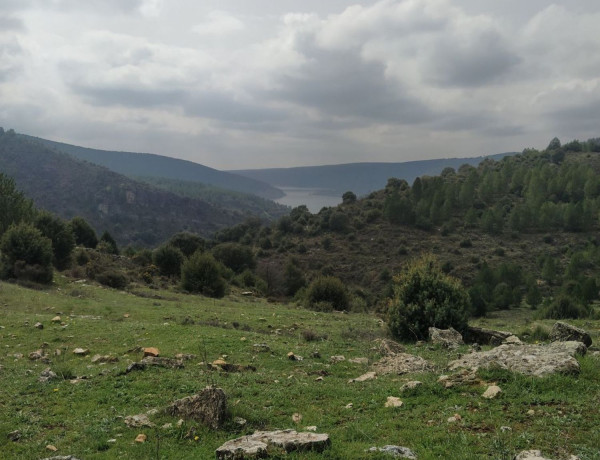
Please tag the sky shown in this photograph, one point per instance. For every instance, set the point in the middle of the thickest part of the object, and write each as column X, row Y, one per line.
column 236, row 84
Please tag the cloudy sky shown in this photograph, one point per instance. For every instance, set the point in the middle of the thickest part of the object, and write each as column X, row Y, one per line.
column 247, row 84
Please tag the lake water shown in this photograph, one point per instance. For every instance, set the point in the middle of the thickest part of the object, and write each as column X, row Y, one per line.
column 314, row 199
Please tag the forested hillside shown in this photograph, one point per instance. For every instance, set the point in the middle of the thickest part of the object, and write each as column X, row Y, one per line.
column 134, row 213
column 149, row 165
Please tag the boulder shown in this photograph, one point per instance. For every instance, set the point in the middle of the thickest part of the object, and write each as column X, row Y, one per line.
column 448, row 338
column 395, row 451
column 256, row 445
column 208, row 407
column 484, row 336
column 563, row 332
column 491, row 392
column 401, row 363
column 535, row 360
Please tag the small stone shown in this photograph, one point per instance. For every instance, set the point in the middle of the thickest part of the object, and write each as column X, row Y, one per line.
column 47, row 375
column 152, row 412
column 261, row 347
column 530, row 455
column 530, row 412
column 219, row 362
column 349, row 406
column 491, row 392
column 291, row 356
column 14, row 436
column 141, row 438
column 505, row 429
column 315, row 354
column 151, row 351
column 454, row 418
column 297, row 418
column 167, row 426
column 38, row 325
column 364, row 377
column 337, row 359
column 319, row 379
column 35, row 355
column 126, row 315
column 312, row 428
column 52, row 448
column 512, row 340
column 393, row 401
column 56, row 319
column 138, row 421
column 243, row 339
column 81, row 351
column 104, row 359
column 411, row 385
column 111, row 441
column 180, row 423
column 58, row 352
column 395, row 451
column 240, row 421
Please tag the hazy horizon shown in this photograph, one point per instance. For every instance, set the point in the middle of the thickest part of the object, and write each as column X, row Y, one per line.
column 239, row 85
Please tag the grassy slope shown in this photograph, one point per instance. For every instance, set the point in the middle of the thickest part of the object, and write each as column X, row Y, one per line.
column 80, row 418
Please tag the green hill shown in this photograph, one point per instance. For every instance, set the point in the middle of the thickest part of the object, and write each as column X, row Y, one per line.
column 150, row 165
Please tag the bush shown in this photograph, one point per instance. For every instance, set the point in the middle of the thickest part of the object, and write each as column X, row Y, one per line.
column 328, row 290
column 564, row 307
column 26, row 254
column 110, row 245
column 168, row 259
column 234, row 256
column 112, row 278
column 61, row 235
column 83, row 232
column 426, row 297
column 187, row 242
column 201, row 273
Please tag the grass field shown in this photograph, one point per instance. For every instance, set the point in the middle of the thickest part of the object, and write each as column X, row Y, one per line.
column 86, row 419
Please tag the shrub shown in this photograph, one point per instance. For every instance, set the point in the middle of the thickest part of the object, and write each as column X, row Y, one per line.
column 110, row 245
column 328, row 290
column 424, row 297
column 293, row 278
column 201, row 273
column 61, row 235
column 234, row 256
column 168, row 259
column 83, row 232
column 187, row 242
column 466, row 244
column 26, row 254
column 564, row 307
column 112, row 278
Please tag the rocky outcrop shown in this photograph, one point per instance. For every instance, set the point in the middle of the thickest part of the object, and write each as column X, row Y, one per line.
column 563, row 332
column 447, row 338
column 258, row 444
column 208, row 407
column 535, row 360
column 402, row 363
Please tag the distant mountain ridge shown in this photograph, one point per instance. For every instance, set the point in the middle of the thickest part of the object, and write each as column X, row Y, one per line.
column 150, row 165
column 360, row 178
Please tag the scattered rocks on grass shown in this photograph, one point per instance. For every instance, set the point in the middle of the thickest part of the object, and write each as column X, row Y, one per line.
column 491, row 392
column 208, row 407
column 535, row 360
column 447, row 338
column 411, row 385
column 463, row 377
column 402, row 363
column 563, row 332
column 138, row 421
column 258, row 444
column 47, row 375
column 81, row 351
column 393, row 401
column 395, row 451
column 364, row 377
column 484, row 336
column 151, row 351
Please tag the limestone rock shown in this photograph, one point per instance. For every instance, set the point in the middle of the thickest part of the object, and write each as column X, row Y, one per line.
column 56, row 319
column 51, row 448
column 393, row 401
column 104, row 359
column 484, row 336
column 337, row 358
column 138, row 421
column 512, row 340
column 395, row 451
column 151, row 351
column 448, row 338
column 463, row 377
column 401, row 363
column 563, row 332
column 35, row 355
column 141, row 438
column 38, row 325
column 359, row 360
column 256, row 445
column 411, row 385
column 535, row 360
column 364, row 377
column 81, row 351
column 61, row 457
column 296, row 417
column 294, row 357
column 388, row 347
column 261, row 347
column 530, row 455
column 208, row 407
column 491, row 392
column 47, row 375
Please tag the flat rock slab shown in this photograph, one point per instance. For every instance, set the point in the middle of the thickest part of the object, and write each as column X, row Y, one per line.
column 258, row 444
column 402, row 363
column 535, row 360
column 395, row 451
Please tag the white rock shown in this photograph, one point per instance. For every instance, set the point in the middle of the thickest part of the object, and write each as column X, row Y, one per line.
column 491, row 392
